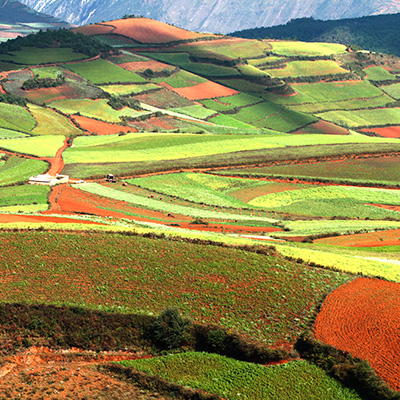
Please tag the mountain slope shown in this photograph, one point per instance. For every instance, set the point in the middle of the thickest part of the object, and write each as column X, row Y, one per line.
column 213, row 15
column 377, row 33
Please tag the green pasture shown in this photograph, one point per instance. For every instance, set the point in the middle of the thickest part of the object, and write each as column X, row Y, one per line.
column 126, row 90
column 230, row 102
column 295, row 48
column 17, row 169
column 15, row 118
column 242, row 85
column 295, row 69
column 257, row 112
column 49, row 122
column 181, row 79
column 378, row 74
column 41, row 146
column 126, row 57
column 251, row 70
column 363, row 118
column 102, row 72
column 23, row 195
column 332, row 201
column 258, row 62
column 47, row 72
column 37, row 56
column 228, row 121
column 9, row 134
column 98, row 109
column 234, row 379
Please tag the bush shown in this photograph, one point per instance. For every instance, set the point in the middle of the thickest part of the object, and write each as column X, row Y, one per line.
column 169, row 330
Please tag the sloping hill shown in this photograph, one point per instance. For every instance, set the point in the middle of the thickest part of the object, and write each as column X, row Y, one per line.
column 210, row 15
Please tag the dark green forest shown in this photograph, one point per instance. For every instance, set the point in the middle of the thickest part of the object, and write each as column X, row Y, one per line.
column 378, row 33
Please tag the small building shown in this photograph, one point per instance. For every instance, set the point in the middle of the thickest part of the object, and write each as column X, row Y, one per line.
column 48, row 180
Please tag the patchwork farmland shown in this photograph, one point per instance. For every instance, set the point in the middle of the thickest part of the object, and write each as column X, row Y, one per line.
column 212, row 208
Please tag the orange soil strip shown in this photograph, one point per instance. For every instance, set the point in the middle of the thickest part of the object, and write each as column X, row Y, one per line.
column 140, row 66
column 100, row 127
column 324, row 127
column 388, row 132
column 205, row 90
column 363, row 318
column 9, row 218
column 94, row 29
column 57, row 163
column 372, row 239
column 146, row 30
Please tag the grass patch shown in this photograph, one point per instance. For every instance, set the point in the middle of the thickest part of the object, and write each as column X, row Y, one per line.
column 41, row 146
column 295, row 69
column 17, row 169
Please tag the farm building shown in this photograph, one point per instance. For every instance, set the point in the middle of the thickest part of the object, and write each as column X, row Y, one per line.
column 48, row 180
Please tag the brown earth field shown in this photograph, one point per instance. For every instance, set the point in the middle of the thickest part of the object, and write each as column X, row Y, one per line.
column 389, row 132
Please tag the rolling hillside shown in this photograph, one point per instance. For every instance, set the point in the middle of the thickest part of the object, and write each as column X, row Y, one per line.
column 207, row 211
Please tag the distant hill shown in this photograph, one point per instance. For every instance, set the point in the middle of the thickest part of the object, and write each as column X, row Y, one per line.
column 213, row 15
column 376, row 33
column 17, row 19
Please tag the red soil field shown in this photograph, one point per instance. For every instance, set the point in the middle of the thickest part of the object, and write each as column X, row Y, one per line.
column 388, row 132
column 49, row 95
column 146, row 30
column 164, row 122
column 140, row 66
column 205, row 90
column 9, row 218
column 94, row 29
column 100, row 127
column 371, row 239
column 363, row 318
column 324, row 127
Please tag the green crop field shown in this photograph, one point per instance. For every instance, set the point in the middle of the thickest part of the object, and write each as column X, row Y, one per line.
column 257, row 112
column 181, row 79
column 16, row 118
column 294, row 48
column 41, row 146
column 47, row 72
column 23, row 195
column 36, row 56
column 17, row 169
column 363, row 118
column 234, row 379
column 196, row 111
column 239, row 290
column 98, row 109
column 382, row 170
column 102, row 72
column 9, row 134
column 392, row 90
column 378, row 74
column 258, row 62
column 307, row 68
column 242, row 85
column 126, row 90
column 230, row 102
column 49, row 122
column 228, row 121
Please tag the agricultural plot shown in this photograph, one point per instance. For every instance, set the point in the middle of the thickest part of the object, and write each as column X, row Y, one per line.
column 257, row 112
column 47, row 72
column 296, row 69
column 128, row 90
column 191, row 187
column 239, row 290
column 8, row 134
column 294, row 48
column 226, row 120
column 352, row 319
column 231, row 378
column 143, row 147
column 242, row 85
column 332, row 201
column 100, row 127
column 230, row 102
column 181, row 79
column 41, row 146
column 37, row 56
column 205, row 90
column 195, row 111
column 102, row 72
column 363, row 118
column 95, row 109
column 378, row 74
column 49, row 122
column 392, row 90
column 16, row 169
column 16, row 118
column 23, row 195
column 163, row 98
column 377, row 170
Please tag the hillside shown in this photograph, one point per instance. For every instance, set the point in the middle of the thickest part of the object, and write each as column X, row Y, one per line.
column 376, row 33
column 205, row 210
column 17, row 19
column 212, row 16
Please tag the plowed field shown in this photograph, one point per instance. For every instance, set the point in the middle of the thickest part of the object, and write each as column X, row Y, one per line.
column 362, row 317
column 389, row 132
column 99, row 127
column 206, row 90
